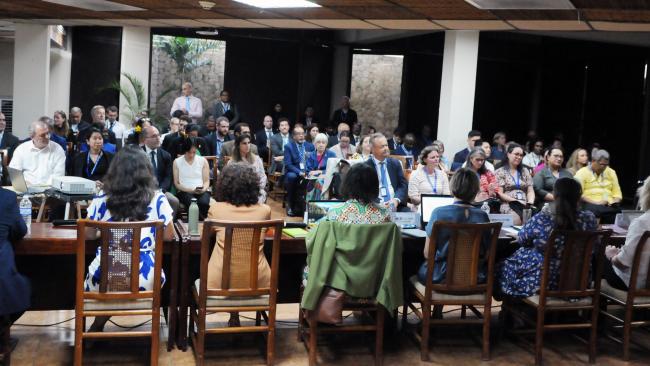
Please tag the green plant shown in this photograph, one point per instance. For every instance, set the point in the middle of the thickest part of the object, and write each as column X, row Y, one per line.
column 134, row 95
column 186, row 53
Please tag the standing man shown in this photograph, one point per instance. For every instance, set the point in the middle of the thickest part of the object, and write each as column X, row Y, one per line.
column 112, row 124
column 216, row 139
column 188, row 104
column 224, row 107
column 393, row 186
column 162, row 163
column 344, row 114
column 263, row 137
column 278, row 142
column 295, row 157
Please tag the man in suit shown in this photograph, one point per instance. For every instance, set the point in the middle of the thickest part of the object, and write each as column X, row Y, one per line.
column 170, row 138
column 263, row 138
column 162, row 163
column 295, row 157
column 278, row 142
column 209, row 127
column 393, row 186
column 461, row 156
column 408, row 148
column 219, row 137
column 9, row 142
column 344, row 114
column 224, row 107
column 333, row 140
column 395, row 141
column 76, row 124
column 240, row 129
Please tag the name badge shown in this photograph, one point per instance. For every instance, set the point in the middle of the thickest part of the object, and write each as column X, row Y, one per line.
column 519, row 196
column 383, row 192
column 302, row 166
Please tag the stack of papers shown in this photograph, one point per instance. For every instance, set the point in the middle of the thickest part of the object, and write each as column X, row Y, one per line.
column 295, row 232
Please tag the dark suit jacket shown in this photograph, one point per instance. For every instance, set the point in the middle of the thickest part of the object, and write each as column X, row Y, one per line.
column 392, row 146
column 276, row 144
column 211, row 140
column 164, row 169
column 260, row 142
column 292, row 157
column 333, row 140
column 79, row 163
column 397, row 179
column 217, row 111
column 14, row 288
column 338, row 117
column 459, row 159
column 9, row 142
column 167, row 141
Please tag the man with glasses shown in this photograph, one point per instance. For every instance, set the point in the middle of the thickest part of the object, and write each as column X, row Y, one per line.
column 601, row 193
column 39, row 158
column 295, row 157
column 162, row 163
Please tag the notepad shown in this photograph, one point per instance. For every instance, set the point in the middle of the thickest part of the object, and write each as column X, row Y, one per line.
column 295, row 232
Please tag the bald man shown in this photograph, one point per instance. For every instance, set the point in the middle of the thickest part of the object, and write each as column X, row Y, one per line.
column 188, row 104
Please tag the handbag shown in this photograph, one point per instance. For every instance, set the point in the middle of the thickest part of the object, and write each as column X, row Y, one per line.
column 330, row 306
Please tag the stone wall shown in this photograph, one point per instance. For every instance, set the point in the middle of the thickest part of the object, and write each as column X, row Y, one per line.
column 207, row 81
column 375, row 90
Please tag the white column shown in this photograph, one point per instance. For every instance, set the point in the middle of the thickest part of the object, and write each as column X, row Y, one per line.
column 457, row 89
column 31, row 76
column 60, row 74
column 341, row 67
column 136, row 45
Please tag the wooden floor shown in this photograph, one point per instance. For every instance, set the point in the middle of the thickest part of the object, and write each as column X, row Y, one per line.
column 53, row 345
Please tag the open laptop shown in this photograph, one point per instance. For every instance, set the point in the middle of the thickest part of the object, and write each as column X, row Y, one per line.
column 428, row 203
column 317, row 210
column 20, row 185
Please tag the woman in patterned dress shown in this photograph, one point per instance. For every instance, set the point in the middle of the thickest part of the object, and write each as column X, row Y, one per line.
column 488, row 186
column 515, row 183
column 130, row 194
column 519, row 275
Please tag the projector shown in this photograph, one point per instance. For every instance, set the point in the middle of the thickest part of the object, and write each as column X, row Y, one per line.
column 73, row 185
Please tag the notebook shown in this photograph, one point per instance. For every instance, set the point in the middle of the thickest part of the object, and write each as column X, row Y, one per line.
column 295, row 232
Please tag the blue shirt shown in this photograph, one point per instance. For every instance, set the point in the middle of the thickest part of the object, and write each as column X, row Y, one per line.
column 453, row 213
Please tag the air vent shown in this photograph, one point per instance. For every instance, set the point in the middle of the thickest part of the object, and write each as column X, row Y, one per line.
column 96, row 5
column 522, row 4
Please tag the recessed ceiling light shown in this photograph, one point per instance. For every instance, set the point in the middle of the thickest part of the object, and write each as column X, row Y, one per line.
column 208, row 32
column 522, row 4
column 96, row 5
column 269, row 4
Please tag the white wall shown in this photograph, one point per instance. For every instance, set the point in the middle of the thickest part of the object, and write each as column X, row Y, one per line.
column 136, row 45
column 60, row 74
column 6, row 68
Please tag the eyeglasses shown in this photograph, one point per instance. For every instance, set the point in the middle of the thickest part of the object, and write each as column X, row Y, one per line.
column 518, row 154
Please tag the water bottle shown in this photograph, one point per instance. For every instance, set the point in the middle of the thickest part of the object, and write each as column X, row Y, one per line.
column 26, row 212
column 193, row 217
column 485, row 207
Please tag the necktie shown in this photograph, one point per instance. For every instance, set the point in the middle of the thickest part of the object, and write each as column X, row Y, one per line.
column 384, row 181
column 153, row 160
column 187, row 104
column 226, row 107
column 301, row 153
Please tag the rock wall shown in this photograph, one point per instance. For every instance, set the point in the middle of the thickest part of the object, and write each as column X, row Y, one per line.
column 375, row 90
column 207, row 81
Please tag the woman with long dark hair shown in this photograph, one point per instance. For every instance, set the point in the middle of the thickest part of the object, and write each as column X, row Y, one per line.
column 130, row 194
column 515, row 183
column 192, row 176
column 241, row 153
column 520, row 274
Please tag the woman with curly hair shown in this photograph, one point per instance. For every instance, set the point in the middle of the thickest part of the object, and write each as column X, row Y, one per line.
column 130, row 194
column 238, row 190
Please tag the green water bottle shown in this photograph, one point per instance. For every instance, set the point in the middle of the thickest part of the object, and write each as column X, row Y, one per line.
column 193, row 217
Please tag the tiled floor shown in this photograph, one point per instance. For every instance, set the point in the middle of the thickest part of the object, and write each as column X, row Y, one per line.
column 53, row 345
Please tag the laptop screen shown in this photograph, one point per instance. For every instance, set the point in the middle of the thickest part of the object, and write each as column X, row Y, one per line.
column 430, row 202
column 317, row 210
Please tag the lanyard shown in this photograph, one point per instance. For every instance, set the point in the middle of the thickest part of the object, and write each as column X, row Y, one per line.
column 517, row 181
column 435, row 180
column 321, row 159
column 90, row 174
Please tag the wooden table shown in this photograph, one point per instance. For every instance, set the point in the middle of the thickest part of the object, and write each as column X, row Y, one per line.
column 47, row 256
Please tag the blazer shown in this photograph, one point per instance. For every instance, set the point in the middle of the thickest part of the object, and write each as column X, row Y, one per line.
column 392, row 145
column 232, row 114
column 79, row 166
column 292, row 157
column 459, row 159
column 336, row 149
column 397, row 179
column 211, row 141
column 312, row 160
column 9, row 142
column 229, row 146
column 276, row 144
column 415, row 152
column 163, row 169
column 15, row 290
column 261, row 141
column 349, row 118
column 175, row 147
column 167, row 141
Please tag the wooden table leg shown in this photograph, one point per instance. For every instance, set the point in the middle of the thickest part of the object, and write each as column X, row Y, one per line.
column 184, row 296
column 41, row 210
column 66, row 216
column 172, row 309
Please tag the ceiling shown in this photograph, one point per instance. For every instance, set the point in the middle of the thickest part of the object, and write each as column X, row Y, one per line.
column 598, row 15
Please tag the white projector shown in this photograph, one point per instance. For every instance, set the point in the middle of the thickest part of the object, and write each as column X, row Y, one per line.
column 73, row 185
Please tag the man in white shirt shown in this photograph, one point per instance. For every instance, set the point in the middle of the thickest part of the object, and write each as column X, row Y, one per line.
column 39, row 158
column 189, row 104
column 112, row 124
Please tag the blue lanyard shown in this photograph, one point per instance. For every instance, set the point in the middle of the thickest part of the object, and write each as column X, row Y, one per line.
column 90, row 174
column 435, row 180
column 517, row 181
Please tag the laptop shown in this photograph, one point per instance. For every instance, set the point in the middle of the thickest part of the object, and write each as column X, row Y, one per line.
column 20, row 185
column 317, row 210
column 429, row 202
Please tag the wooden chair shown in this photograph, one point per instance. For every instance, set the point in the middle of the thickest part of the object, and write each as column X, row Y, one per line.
column 405, row 168
column 214, row 163
column 119, row 289
column 225, row 160
column 578, row 287
column 5, row 332
column 461, row 286
column 240, row 291
column 631, row 300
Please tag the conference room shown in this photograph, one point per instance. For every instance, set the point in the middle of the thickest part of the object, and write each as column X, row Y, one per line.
column 324, row 182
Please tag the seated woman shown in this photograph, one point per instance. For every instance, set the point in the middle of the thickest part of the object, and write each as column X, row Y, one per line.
column 312, row 132
column 519, row 275
column 94, row 163
column 464, row 187
column 130, row 194
column 515, row 183
column 15, row 290
column 60, row 125
column 360, row 189
column 241, row 153
column 364, row 149
column 488, row 186
column 544, row 181
column 617, row 270
column 192, row 177
column 428, row 178
column 315, row 166
column 444, row 162
column 238, row 191
column 579, row 159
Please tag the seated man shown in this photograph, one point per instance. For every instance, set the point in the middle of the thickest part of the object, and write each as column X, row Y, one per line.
column 295, row 156
column 601, row 193
column 342, row 127
column 263, row 138
column 461, row 156
column 408, row 148
column 219, row 137
column 162, row 164
column 393, row 186
column 278, row 142
column 40, row 159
